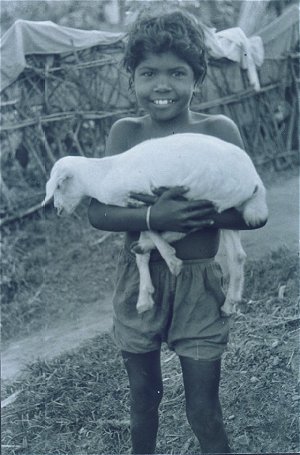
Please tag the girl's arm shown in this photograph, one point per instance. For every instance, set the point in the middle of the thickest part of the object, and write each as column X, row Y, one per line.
column 117, row 219
column 233, row 219
column 169, row 213
column 190, row 214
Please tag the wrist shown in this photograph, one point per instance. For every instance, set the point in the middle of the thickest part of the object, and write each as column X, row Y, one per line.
column 148, row 214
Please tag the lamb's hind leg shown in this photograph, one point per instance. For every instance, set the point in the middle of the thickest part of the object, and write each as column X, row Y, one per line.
column 236, row 257
column 145, row 301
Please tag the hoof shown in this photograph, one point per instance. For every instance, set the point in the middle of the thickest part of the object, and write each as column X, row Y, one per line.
column 175, row 266
column 145, row 304
column 229, row 308
column 136, row 248
column 243, row 306
column 145, row 301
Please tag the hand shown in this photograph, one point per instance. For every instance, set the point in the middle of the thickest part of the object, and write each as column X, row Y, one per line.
column 141, row 199
column 171, row 211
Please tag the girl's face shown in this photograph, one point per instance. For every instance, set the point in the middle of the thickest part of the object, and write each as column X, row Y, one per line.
column 164, row 85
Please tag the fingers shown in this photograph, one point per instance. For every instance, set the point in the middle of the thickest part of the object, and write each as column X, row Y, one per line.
column 201, row 204
column 134, row 204
column 198, row 219
column 160, row 190
column 197, row 226
column 175, row 192
column 146, row 199
column 198, row 213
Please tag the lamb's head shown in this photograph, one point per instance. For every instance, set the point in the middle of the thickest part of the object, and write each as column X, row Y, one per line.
column 63, row 186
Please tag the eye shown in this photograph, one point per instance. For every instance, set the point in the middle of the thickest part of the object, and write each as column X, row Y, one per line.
column 147, row 73
column 178, row 73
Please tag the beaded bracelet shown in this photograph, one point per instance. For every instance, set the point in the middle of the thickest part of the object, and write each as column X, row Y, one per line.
column 148, row 218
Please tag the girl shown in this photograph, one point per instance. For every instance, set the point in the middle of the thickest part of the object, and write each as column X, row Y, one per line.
column 165, row 57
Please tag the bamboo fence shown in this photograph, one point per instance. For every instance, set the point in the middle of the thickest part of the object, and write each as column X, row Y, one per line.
column 65, row 104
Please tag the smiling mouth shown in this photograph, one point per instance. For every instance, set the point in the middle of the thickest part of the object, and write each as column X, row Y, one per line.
column 163, row 102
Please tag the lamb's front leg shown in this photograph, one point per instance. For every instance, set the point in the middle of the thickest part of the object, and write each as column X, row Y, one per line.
column 149, row 240
column 167, row 252
column 145, row 301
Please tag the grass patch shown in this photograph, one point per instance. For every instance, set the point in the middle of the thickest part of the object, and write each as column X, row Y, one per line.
column 53, row 268
column 78, row 402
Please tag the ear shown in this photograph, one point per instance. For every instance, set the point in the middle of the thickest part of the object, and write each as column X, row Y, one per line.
column 58, row 178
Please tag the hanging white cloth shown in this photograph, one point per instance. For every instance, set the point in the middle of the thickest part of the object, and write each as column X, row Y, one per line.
column 234, row 45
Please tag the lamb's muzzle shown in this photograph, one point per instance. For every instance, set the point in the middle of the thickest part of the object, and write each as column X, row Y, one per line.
column 211, row 168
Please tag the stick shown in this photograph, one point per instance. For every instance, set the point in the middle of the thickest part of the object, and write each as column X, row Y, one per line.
column 236, row 98
column 21, row 215
column 10, row 399
column 102, row 239
column 284, row 322
column 46, row 144
column 291, row 358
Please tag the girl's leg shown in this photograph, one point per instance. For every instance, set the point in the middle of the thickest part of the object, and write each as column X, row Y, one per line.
column 146, row 390
column 201, row 382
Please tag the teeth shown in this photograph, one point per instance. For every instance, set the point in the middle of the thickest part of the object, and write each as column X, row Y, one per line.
column 163, row 101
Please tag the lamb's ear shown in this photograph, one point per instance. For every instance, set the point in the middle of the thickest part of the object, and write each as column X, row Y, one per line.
column 56, row 181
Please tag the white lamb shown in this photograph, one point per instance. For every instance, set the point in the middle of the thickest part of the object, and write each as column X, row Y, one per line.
column 211, row 168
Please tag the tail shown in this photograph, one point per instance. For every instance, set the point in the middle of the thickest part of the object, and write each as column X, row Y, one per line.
column 255, row 209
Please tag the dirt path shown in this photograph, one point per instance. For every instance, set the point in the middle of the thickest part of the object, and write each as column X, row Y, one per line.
column 51, row 342
column 283, row 224
column 282, row 229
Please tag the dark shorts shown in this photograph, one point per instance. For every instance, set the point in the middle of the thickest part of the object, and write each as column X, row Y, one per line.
column 186, row 314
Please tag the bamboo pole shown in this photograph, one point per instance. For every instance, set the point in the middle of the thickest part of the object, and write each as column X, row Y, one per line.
column 45, row 143
column 91, row 64
column 36, row 156
column 58, row 117
column 236, row 98
column 291, row 124
column 5, row 192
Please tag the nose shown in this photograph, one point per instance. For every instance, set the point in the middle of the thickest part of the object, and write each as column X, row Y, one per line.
column 162, row 84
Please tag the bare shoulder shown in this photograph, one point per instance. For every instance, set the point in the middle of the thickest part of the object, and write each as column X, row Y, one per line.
column 121, row 134
column 224, row 128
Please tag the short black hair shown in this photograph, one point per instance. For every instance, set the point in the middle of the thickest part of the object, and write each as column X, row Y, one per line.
column 175, row 31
